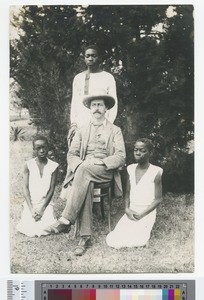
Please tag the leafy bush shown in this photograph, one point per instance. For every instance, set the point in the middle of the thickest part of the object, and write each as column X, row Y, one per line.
column 58, row 153
column 16, row 133
column 179, row 173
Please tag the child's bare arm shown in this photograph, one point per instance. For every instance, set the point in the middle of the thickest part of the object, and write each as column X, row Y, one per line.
column 52, row 187
column 129, row 212
column 49, row 195
column 26, row 191
column 127, row 192
column 157, row 199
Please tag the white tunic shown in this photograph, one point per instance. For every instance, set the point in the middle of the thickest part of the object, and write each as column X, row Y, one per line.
column 38, row 187
column 129, row 233
column 100, row 80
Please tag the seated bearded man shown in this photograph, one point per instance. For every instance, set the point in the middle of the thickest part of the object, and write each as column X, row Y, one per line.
column 96, row 153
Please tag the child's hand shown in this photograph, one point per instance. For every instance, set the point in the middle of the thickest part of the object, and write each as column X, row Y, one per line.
column 33, row 212
column 40, row 210
column 130, row 214
column 137, row 216
column 37, row 217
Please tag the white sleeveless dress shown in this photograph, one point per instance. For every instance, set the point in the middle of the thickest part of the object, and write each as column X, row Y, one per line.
column 38, row 187
column 128, row 233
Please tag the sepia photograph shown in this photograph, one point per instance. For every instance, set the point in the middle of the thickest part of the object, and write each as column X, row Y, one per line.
column 101, row 139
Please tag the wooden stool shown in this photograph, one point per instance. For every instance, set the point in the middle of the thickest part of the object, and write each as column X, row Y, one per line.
column 105, row 188
column 105, row 192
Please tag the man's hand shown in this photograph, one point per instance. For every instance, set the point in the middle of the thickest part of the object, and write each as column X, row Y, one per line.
column 93, row 161
column 132, row 215
column 98, row 161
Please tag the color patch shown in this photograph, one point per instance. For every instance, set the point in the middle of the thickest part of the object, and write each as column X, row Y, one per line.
column 177, row 294
column 170, row 294
column 60, row 294
column 141, row 295
column 84, row 294
column 108, row 294
column 164, row 294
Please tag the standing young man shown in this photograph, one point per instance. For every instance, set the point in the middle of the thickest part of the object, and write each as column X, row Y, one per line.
column 85, row 83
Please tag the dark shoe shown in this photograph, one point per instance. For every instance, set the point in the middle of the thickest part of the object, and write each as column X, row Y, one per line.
column 58, row 227
column 84, row 243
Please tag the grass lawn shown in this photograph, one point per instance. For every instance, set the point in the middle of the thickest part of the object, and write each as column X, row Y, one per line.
column 170, row 250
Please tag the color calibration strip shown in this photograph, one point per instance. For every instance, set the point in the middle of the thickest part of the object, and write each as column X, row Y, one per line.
column 115, row 291
column 92, row 294
column 101, row 290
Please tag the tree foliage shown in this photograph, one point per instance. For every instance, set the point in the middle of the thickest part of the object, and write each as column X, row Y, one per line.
column 154, row 72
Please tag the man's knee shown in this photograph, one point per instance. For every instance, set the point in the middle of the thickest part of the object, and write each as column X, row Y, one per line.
column 87, row 167
column 82, row 171
column 81, row 168
column 85, row 170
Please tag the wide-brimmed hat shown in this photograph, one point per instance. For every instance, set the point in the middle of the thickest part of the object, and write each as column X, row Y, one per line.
column 99, row 94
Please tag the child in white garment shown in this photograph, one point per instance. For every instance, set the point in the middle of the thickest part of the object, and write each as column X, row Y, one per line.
column 143, row 195
column 39, row 180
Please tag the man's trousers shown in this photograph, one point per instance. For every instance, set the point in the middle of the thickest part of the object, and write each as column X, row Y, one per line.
column 80, row 200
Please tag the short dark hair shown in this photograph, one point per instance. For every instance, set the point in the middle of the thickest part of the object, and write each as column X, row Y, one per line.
column 93, row 46
column 148, row 143
column 41, row 138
